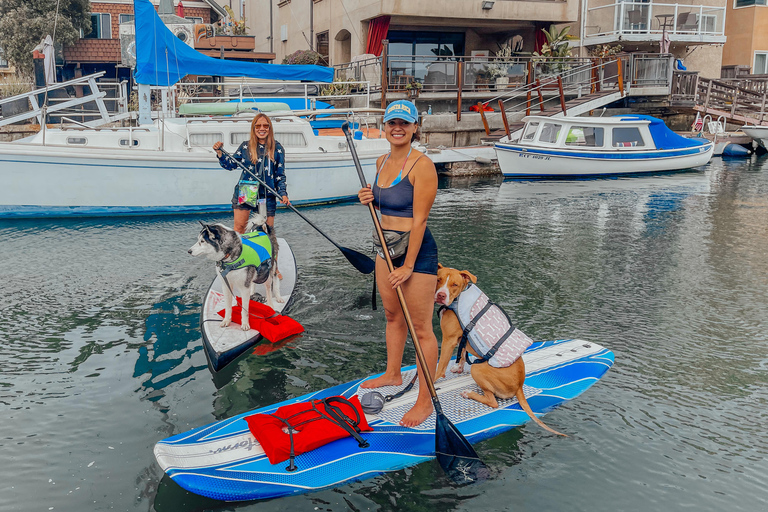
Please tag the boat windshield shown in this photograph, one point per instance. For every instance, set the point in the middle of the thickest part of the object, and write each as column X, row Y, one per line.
column 530, row 131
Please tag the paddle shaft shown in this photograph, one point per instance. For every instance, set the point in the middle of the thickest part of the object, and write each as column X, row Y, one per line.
column 406, row 313
column 276, row 194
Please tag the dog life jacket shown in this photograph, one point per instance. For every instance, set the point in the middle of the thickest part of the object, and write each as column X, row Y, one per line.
column 298, row 428
column 257, row 249
column 488, row 330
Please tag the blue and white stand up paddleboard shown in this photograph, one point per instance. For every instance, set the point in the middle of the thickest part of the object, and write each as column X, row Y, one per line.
column 224, row 461
column 224, row 344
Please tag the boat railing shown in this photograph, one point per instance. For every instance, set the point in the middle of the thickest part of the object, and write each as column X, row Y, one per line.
column 202, row 92
column 94, row 103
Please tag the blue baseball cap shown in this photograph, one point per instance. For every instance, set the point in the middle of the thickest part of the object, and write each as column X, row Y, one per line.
column 402, row 109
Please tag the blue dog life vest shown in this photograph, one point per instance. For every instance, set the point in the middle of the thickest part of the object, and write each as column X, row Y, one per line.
column 488, row 330
column 257, row 248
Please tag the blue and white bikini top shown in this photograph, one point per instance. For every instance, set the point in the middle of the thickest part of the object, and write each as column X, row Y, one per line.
column 395, row 200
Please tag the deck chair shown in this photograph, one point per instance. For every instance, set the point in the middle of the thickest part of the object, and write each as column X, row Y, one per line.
column 635, row 19
column 686, row 22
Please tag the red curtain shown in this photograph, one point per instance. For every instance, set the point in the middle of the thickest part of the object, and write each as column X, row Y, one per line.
column 377, row 31
column 541, row 39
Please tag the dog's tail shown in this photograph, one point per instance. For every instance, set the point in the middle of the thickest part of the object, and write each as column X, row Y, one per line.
column 527, row 408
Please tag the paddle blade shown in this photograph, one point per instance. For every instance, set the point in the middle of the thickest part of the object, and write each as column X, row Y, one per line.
column 358, row 260
column 456, row 456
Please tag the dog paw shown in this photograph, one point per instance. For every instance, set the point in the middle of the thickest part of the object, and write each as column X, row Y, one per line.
column 279, row 299
column 225, row 323
column 457, row 368
column 465, row 394
column 245, row 327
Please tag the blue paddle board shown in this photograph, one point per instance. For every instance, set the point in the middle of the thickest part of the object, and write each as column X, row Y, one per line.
column 224, row 461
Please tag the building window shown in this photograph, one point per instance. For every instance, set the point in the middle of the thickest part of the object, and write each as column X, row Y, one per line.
column 126, row 17
column 100, row 26
column 3, row 62
column 749, row 3
column 322, row 47
column 195, row 19
column 761, row 63
column 413, row 51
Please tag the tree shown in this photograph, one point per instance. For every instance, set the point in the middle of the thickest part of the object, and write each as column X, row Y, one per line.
column 23, row 23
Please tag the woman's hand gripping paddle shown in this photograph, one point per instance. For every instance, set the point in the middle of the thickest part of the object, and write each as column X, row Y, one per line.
column 358, row 260
column 454, row 453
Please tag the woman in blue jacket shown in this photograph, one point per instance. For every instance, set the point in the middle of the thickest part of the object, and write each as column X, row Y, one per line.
column 265, row 158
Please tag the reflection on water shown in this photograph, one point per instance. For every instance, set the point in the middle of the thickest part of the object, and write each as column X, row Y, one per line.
column 102, row 354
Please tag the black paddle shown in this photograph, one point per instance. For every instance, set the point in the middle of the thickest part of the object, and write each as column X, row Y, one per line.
column 454, row 453
column 358, row 260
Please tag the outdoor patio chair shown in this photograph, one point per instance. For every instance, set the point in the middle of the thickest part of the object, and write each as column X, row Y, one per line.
column 686, row 22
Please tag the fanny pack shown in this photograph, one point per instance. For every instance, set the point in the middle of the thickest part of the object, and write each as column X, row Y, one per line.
column 248, row 193
column 397, row 242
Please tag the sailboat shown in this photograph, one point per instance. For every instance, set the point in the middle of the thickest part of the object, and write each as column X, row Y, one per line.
column 167, row 165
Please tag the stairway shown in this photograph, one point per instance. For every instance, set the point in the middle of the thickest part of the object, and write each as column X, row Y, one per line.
column 573, row 107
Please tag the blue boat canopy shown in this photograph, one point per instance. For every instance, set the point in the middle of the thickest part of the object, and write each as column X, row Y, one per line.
column 163, row 59
column 663, row 137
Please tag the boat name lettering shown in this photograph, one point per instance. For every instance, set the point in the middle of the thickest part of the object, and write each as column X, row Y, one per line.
column 246, row 443
column 535, row 157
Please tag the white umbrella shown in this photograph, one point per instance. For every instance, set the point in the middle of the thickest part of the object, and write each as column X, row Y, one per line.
column 49, row 65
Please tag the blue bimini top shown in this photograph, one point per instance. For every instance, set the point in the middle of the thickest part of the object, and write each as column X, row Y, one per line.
column 663, row 137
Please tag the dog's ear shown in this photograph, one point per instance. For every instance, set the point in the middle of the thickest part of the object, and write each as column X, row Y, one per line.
column 468, row 276
column 439, row 266
column 201, row 223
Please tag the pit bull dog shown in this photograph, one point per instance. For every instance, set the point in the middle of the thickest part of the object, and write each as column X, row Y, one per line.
column 499, row 373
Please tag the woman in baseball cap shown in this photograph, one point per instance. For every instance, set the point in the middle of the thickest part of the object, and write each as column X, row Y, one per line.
column 403, row 191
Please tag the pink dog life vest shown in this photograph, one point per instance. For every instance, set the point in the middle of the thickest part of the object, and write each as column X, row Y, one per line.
column 488, row 329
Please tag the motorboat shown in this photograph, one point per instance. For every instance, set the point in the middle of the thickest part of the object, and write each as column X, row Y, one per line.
column 567, row 147
column 758, row 133
column 167, row 167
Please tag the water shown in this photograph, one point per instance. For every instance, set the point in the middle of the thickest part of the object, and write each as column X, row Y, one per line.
column 101, row 353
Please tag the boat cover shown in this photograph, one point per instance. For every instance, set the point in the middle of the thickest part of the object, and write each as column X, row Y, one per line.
column 163, row 59
column 663, row 137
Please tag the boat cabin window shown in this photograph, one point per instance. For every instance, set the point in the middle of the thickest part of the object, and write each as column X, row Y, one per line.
column 204, row 139
column 124, row 142
column 550, row 132
column 80, row 141
column 237, row 138
column 627, row 137
column 587, row 136
column 530, row 131
column 291, row 140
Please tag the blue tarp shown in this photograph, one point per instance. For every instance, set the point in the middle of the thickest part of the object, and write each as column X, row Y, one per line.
column 163, row 59
column 663, row 137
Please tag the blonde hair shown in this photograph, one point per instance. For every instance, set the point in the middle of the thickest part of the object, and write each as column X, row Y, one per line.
column 254, row 142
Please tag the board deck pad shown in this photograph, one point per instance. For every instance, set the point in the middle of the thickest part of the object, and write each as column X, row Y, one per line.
column 224, row 461
column 224, row 344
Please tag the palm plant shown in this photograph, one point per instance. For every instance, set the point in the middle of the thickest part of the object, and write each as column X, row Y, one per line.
column 554, row 52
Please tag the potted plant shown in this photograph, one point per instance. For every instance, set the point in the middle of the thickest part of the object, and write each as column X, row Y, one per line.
column 413, row 87
column 554, row 52
column 498, row 70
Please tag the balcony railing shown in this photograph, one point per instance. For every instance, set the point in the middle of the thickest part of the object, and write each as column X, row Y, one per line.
column 633, row 19
column 480, row 74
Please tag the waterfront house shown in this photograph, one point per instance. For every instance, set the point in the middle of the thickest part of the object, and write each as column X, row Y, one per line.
column 694, row 31
column 747, row 43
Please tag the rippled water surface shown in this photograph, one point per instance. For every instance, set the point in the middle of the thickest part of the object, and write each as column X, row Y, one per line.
column 101, row 353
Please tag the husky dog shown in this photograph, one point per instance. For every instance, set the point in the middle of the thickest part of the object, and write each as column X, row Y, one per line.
column 240, row 267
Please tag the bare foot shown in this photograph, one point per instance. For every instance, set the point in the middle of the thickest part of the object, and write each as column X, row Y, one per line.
column 418, row 413
column 384, row 380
